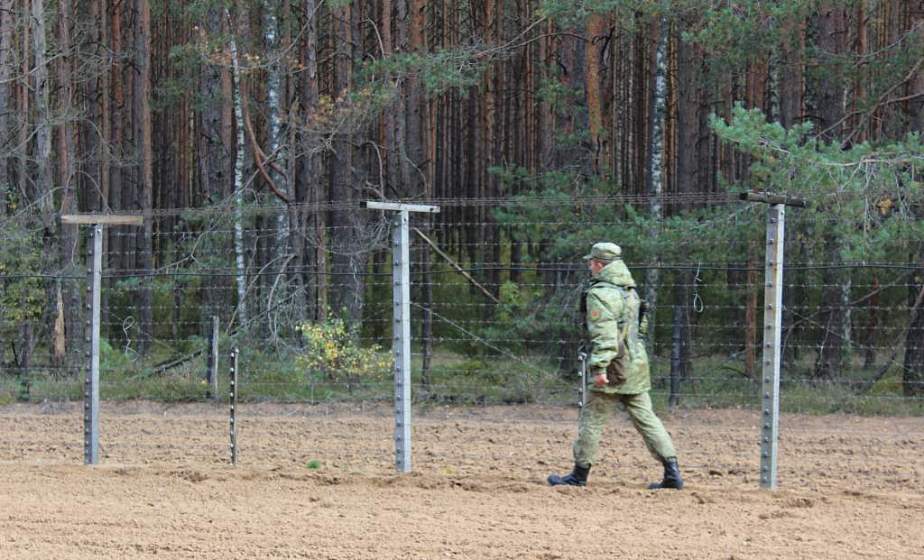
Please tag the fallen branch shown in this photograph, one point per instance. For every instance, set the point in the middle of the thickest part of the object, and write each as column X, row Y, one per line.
column 176, row 362
column 457, row 267
column 258, row 154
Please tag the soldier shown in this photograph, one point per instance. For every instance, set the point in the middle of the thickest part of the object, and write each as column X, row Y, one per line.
column 618, row 367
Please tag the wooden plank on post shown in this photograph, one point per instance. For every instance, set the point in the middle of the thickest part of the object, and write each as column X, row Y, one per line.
column 103, row 219
column 401, row 207
column 771, row 198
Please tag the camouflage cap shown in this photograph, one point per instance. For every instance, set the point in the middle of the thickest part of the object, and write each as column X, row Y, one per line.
column 604, row 252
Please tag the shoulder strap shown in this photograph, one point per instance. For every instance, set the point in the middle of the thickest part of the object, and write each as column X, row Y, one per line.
column 626, row 324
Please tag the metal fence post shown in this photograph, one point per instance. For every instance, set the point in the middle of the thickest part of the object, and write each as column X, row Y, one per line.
column 773, row 316
column 232, row 397
column 402, row 340
column 91, row 385
column 94, row 307
column 401, row 283
column 773, row 326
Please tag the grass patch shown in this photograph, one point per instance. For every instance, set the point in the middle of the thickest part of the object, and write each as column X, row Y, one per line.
column 269, row 375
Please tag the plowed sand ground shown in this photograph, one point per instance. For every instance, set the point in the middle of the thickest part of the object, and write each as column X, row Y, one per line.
column 850, row 487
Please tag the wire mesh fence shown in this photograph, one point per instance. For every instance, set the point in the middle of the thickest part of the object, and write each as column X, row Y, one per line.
column 306, row 294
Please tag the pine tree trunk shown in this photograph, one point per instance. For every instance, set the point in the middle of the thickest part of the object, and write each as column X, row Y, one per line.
column 830, row 359
column 422, row 135
column 117, row 244
column 791, row 72
column 915, row 107
column 402, row 171
column 828, row 92
column 23, row 110
column 490, row 239
column 389, row 125
column 679, row 336
column 144, row 134
column 913, row 371
column 831, row 23
column 348, row 259
column 791, row 106
column 216, row 158
column 545, row 124
column 311, row 171
column 913, row 366
column 6, row 95
column 596, row 28
column 689, row 153
column 67, row 169
column 113, row 100
column 416, row 112
column 96, row 131
column 756, row 87
column 872, row 326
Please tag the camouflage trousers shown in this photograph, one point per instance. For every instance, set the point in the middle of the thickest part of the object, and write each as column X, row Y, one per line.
column 598, row 410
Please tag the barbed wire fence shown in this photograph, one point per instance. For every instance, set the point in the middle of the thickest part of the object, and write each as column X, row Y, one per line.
column 495, row 291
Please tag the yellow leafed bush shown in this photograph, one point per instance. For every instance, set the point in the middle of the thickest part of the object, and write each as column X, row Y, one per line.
column 331, row 350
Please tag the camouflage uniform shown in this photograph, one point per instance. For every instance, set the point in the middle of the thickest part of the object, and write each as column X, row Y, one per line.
column 618, row 348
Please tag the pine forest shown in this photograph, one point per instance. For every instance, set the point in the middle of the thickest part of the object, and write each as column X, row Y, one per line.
column 249, row 134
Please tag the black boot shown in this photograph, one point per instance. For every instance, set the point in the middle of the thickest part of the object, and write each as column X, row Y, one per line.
column 671, row 476
column 577, row 477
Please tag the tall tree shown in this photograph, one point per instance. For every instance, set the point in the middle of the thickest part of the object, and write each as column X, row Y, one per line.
column 689, row 181
column 791, row 80
column 23, row 107
column 44, row 188
column 756, row 79
column 416, row 112
column 317, row 194
column 143, row 138
column 117, row 199
column 596, row 29
column 309, row 186
column 6, row 95
column 655, row 176
column 94, row 131
column 348, row 256
column 66, row 156
column 828, row 95
column 242, row 155
column 216, row 150
column 913, row 371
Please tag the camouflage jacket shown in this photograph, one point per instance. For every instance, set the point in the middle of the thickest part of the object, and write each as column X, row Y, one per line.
column 617, row 346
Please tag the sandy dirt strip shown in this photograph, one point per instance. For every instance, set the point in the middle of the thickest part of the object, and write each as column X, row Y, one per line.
column 850, row 487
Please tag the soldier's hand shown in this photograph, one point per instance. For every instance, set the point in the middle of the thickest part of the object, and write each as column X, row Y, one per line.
column 600, row 379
